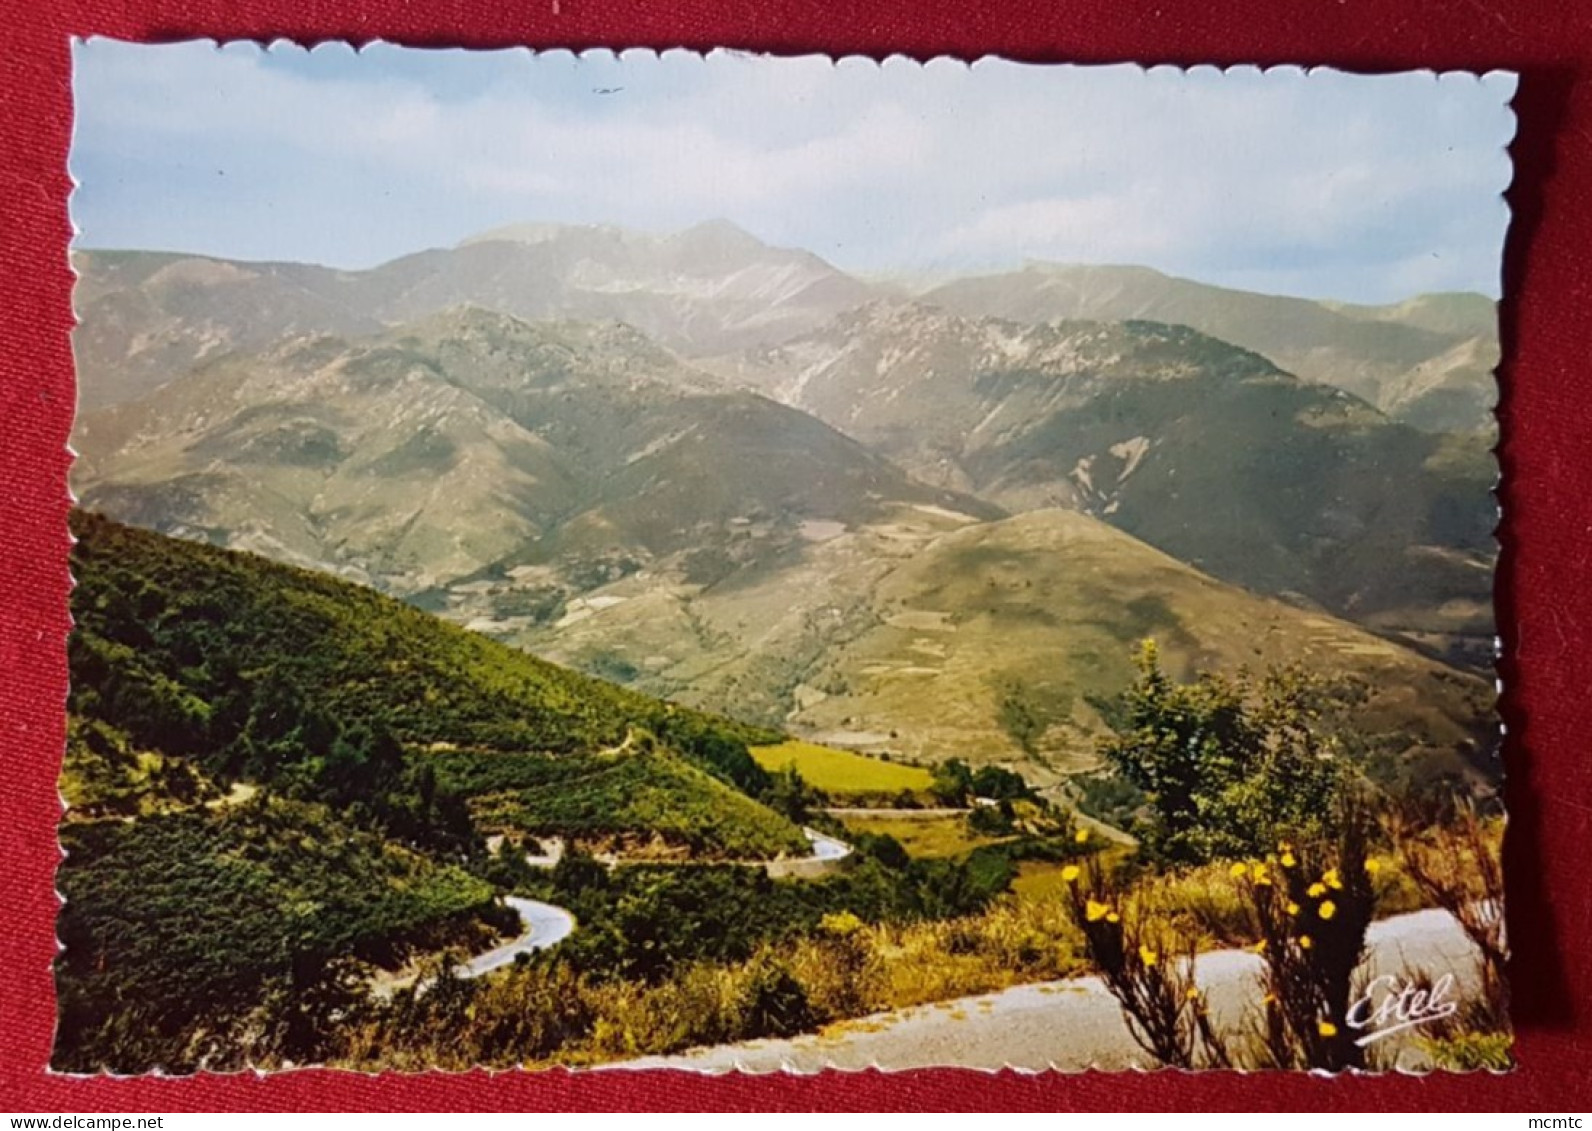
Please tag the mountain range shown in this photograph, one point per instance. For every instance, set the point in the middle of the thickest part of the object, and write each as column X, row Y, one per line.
column 1203, row 449
column 714, row 289
column 1427, row 361
column 148, row 316
column 733, row 475
column 425, row 454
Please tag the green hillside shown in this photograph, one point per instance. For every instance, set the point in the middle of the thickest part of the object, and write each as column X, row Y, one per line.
column 274, row 778
column 639, row 802
column 180, row 931
column 266, row 673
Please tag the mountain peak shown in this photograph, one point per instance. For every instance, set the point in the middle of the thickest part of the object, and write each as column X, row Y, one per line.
column 719, row 235
column 1095, row 270
column 536, row 233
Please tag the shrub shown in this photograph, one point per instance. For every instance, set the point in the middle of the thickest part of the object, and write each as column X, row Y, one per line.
column 1457, row 865
column 839, row 968
column 1146, row 968
column 1226, row 764
column 1311, row 906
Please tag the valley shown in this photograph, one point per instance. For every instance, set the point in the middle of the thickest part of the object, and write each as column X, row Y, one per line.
column 675, row 641
column 747, row 532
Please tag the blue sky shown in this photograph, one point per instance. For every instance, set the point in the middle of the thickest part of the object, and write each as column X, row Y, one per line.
column 1365, row 188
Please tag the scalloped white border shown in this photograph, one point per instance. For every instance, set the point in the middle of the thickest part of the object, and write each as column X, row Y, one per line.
column 886, row 62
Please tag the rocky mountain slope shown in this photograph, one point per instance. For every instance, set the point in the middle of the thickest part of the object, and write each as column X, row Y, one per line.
column 1205, row 450
column 790, row 532
column 148, row 317
column 1384, row 355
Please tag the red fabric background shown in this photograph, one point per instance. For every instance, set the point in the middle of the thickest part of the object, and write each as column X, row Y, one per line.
column 1545, row 609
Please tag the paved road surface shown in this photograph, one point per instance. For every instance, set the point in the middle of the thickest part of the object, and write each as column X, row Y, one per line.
column 827, row 847
column 1071, row 1025
column 544, row 925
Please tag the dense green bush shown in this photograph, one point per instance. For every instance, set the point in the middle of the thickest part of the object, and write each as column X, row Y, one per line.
column 642, row 921
column 190, row 936
column 611, row 795
column 1228, row 765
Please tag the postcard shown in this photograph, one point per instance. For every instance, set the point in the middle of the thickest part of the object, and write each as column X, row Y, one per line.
column 731, row 562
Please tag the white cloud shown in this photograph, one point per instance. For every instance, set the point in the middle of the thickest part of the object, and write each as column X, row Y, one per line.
column 1340, row 184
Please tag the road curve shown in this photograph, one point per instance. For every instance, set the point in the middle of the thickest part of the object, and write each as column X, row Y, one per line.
column 544, row 925
column 827, row 847
column 1070, row 1025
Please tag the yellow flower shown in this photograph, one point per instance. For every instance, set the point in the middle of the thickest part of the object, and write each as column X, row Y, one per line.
column 1113, row 917
column 1327, row 909
column 1192, row 994
column 1331, row 879
column 1238, row 871
column 1147, row 956
column 1316, row 891
column 1373, row 866
column 1070, row 873
column 1258, row 874
column 1260, row 947
column 1306, row 942
column 1082, row 836
column 1293, row 908
column 1094, row 911
column 1327, row 1029
column 1288, row 860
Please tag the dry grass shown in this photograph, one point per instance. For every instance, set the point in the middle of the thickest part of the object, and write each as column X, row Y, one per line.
column 1204, row 903
column 548, row 1014
column 849, row 969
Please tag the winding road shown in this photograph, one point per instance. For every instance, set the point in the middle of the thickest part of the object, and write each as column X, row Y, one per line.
column 827, row 847
column 1073, row 1024
column 544, row 926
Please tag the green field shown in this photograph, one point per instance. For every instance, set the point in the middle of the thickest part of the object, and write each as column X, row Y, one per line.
column 936, row 836
column 841, row 773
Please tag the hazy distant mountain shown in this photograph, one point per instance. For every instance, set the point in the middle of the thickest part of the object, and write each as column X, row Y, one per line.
column 469, row 439
column 1205, row 450
column 1464, row 313
column 148, row 317
column 704, row 290
column 1383, row 354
